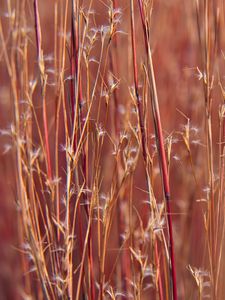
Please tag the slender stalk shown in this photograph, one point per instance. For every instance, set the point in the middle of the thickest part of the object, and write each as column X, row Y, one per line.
column 142, row 128
column 160, row 145
column 43, row 83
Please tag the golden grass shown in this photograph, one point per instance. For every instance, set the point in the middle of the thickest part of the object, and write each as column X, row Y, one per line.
column 114, row 140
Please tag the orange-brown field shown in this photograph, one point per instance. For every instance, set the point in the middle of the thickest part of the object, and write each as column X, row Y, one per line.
column 112, row 149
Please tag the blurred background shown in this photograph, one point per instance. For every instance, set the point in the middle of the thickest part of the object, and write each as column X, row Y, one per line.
column 177, row 58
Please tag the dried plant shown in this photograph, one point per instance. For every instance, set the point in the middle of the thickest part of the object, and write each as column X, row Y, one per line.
column 115, row 142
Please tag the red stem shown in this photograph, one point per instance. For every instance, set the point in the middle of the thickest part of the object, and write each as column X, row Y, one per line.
column 141, row 121
column 161, row 149
column 74, row 78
